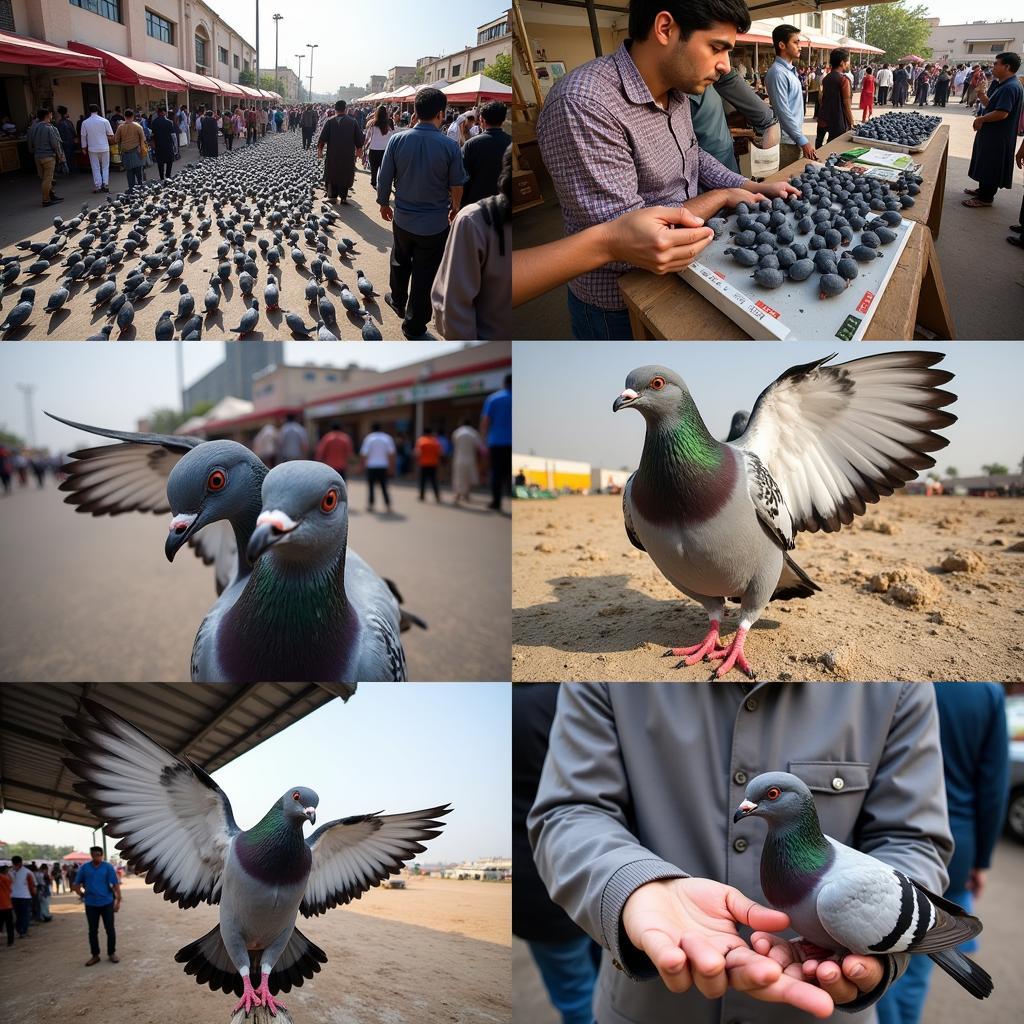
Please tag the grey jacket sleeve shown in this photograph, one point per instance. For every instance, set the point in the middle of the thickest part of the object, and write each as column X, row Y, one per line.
column 904, row 821
column 732, row 88
column 579, row 827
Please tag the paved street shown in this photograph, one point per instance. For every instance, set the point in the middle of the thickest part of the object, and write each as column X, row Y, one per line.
column 96, row 599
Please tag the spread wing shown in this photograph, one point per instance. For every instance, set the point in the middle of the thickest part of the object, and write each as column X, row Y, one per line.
column 627, row 514
column 837, row 438
column 352, row 854
column 175, row 821
column 215, row 545
column 768, row 501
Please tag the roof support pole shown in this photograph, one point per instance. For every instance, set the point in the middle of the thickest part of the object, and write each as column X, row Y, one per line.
column 595, row 32
column 99, row 78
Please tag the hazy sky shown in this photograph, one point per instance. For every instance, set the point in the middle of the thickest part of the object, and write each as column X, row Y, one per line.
column 956, row 12
column 391, row 748
column 563, row 393
column 114, row 384
column 357, row 40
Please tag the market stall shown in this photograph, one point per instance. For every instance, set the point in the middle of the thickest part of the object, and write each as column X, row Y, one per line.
column 142, row 75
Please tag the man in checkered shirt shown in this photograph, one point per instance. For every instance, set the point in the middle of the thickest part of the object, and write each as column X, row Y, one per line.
column 616, row 135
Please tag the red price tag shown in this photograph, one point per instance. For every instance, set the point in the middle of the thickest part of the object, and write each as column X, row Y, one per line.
column 768, row 309
column 865, row 302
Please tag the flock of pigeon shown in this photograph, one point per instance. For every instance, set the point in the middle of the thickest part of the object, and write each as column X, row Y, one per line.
column 719, row 519
column 295, row 603
column 260, row 206
column 177, row 826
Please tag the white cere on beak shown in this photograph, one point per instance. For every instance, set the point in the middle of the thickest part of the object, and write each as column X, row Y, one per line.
column 628, row 393
column 280, row 521
column 311, row 814
column 180, row 523
column 747, row 806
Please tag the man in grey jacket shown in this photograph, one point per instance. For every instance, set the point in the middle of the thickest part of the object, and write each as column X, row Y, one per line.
column 633, row 835
column 45, row 146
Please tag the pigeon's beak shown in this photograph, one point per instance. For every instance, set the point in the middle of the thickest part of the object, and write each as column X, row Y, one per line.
column 271, row 527
column 310, row 813
column 177, row 533
column 744, row 809
column 626, row 397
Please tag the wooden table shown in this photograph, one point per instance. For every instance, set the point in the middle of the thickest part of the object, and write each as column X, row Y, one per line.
column 664, row 306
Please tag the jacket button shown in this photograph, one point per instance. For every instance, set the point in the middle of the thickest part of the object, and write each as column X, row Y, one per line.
column 740, row 845
column 617, row 965
column 837, row 783
column 750, row 703
column 740, row 778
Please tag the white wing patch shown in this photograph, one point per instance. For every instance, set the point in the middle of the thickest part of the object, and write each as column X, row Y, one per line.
column 768, row 500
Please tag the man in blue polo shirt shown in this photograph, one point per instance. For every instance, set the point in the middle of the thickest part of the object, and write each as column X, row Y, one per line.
column 496, row 426
column 425, row 169
column 787, row 96
column 102, row 890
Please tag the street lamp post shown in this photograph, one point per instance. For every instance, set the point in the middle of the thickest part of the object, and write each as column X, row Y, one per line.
column 277, row 79
column 311, row 47
column 301, row 57
column 257, row 44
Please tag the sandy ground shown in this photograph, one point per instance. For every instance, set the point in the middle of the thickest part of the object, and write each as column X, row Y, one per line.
column 359, row 221
column 436, row 951
column 95, row 598
column 1000, row 908
column 588, row 605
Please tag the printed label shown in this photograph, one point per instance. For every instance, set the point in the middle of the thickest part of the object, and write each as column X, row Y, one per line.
column 768, row 309
column 848, row 328
column 865, row 303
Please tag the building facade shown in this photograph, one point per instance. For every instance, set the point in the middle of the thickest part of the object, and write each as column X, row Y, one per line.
column 492, row 38
column 289, row 82
column 234, row 376
column 975, row 42
column 376, row 83
column 398, row 76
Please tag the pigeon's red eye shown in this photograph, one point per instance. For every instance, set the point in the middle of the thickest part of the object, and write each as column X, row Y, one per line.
column 774, row 793
column 295, row 795
column 216, row 480
column 329, row 502
column 658, row 383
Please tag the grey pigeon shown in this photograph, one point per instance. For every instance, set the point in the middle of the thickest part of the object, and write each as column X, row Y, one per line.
column 719, row 519
column 105, row 291
column 125, row 316
column 370, row 330
column 193, row 329
column 311, row 609
column 324, row 333
column 175, row 270
column 56, row 300
column 248, row 322
column 21, row 312
column 104, row 334
column 738, row 424
column 176, row 825
column 164, row 329
column 187, row 303
column 326, row 307
column 297, row 326
column 841, row 900
column 271, row 293
column 364, row 285
column 348, row 300
column 211, row 300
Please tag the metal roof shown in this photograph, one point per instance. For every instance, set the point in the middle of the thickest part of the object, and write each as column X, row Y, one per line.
column 212, row 724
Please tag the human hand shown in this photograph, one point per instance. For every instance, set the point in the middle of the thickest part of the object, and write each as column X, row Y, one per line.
column 809, row 151
column 386, row 213
column 977, row 123
column 978, row 876
column 687, row 927
column 661, row 239
column 734, row 196
column 1020, row 156
column 778, row 189
column 843, row 982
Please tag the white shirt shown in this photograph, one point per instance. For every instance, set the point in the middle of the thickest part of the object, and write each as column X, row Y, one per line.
column 377, row 140
column 95, row 130
column 293, row 442
column 376, row 448
column 884, row 77
column 19, row 883
column 265, row 442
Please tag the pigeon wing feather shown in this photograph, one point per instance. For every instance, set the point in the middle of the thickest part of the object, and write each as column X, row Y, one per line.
column 627, row 513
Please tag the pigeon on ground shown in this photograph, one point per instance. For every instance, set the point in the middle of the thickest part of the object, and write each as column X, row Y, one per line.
column 176, row 824
column 370, row 330
column 843, row 901
column 105, row 291
column 271, row 294
column 248, row 322
column 125, row 316
column 297, row 326
column 719, row 519
column 21, row 312
column 164, row 329
column 187, row 302
column 312, row 609
column 364, row 285
column 348, row 300
column 324, row 333
column 56, row 300
column 104, row 334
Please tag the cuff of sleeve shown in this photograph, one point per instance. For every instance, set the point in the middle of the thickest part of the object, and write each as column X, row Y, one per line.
column 894, row 964
column 625, row 956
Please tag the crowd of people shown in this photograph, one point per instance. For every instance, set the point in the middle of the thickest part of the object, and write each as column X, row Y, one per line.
column 21, row 465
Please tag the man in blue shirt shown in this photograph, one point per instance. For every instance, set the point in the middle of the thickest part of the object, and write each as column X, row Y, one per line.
column 496, row 426
column 787, row 96
column 102, row 890
column 425, row 169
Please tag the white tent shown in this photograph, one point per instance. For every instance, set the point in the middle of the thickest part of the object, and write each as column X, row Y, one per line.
column 476, row 88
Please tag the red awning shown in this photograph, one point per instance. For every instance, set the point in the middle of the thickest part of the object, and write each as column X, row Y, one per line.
column 195, row 82
column 250, row 92
column 23, row 50
column 226, row 88
column 752, row 37
column 129, row 71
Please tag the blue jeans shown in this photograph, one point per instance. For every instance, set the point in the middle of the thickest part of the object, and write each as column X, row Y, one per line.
column 22, row 913
column 591, row 323
column 569, row 970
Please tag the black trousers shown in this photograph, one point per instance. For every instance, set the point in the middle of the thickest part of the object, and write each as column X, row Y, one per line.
column 250, row 135
column 94, row 915
column 164, row 167
column 378, row 476
column 376, row 156
column 501, row 472
column 883, row 94
column 307, row 138
column 428, row 474
column 414, row 263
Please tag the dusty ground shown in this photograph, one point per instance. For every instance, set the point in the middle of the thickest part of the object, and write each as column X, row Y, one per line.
column 436, row 951
column 588, row 605
column 1000, row 908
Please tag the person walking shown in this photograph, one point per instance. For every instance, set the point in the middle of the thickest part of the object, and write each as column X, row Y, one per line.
column 23, row 887
column 377, row 456
column 377, row 141
column 131, row 140
column 57, row 876
column 344, row 139
column 98, row 882
column 835, row 116
column 308, row 124
column 45, row 146
column 867, row 96
column 467, row 446
column 227, row 127
column 335, row 450
column 496, row 426
column 995, row 130
column 97, row 135
column 68, row 138
column 293, row 441
column 428, row 456
column 900, row 85
column 884, row 82
column 265, row 444
column 208, row 135
column 163, row 142
column 251, row 125
column 6, row 907
column 181, row 122
column 425, row 169
column 482, row 154
column 942, row 83
column 921, row 85
column 43, row 882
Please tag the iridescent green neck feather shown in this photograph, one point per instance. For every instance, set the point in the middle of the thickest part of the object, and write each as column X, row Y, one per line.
column 796, row 855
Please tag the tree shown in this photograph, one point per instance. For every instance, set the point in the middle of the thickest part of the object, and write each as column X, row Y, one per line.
column 952, row 471
column 167, row 421
column 897, row 28
column 995, row 469
column 37, row 852
column 9, row 440
column 247, row 77
column 501, row 69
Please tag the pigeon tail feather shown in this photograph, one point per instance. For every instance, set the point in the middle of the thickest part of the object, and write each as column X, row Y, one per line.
column 965, row 972
column 794, row 582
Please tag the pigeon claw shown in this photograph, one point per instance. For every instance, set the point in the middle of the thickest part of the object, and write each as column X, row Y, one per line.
column 250, row 998
column 263, row 992
column 732, row 657
column 698, row 652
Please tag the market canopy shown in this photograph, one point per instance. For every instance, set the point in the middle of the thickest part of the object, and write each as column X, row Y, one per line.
column 475, row 88
column 193, row 81
column 24, row 50
column 250, row 93
column 227, row 88
column 129, row 71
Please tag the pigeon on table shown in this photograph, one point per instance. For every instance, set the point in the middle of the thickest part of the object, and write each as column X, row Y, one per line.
column 843, row 901
column 719, row 519
column 176, row 824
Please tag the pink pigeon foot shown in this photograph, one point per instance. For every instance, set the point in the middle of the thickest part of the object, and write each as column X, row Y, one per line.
column 268, row 1000
column 809, row 952
column 698, row 652
column 250, row 998
column 732, row 656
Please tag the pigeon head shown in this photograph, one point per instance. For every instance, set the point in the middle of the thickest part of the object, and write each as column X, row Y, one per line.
column 305, row 514
column 654, row 391
column 299, row 805
column 212, row 481
column 778, row 797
